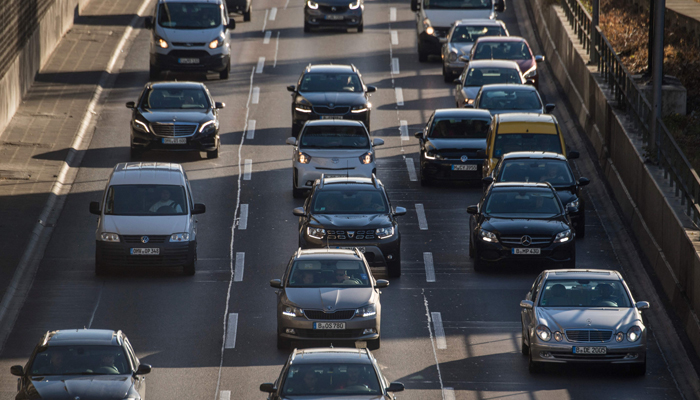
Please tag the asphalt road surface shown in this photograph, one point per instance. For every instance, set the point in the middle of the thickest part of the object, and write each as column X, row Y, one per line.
column 177, row 323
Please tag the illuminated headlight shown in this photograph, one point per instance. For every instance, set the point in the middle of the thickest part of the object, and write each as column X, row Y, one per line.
column 429, row 30
column 160, row 42
column 367, row 158
column 355, row 5
column 109, row 237
column 359, row 109
column 302, row 108
column 558, row 336
column 303, row 158
column 291, row 311
column 544, row 333
column 367, row 311
column 180, row 237
column 384, row 233
column 574, row 203
column 487, row 236
column 316, row 233
column 469, row 101
column 429, row 156
column 620, row 336
column 452, row 57
column 531, row 73
column 208, row 126
column 564, row 236
column 140, row 126
column 634, row 333
column 312, row 5
column 218, row 42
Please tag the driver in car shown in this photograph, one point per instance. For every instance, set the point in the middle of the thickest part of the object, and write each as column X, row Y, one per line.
column 355, row 379
column 166, row 203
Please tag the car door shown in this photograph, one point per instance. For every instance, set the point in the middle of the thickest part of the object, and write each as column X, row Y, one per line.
column 528, row 315
column 460, row 95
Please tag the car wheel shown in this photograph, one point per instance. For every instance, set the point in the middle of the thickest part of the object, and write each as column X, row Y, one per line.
column 471, row 249
column 639, row 369
column 153, row 72
column 246, row 14
column 533, row 367
column 422, row 56
column 394, row 269
column 374, row 344
column 361, row 28
column 214, row 153
column 446, row 76
column 423, row 180
column 525, row 349
column 189, row 269
column 224, row 74
column 282, row 344
column 581, row 228
column 296, row 193
column 307, row 27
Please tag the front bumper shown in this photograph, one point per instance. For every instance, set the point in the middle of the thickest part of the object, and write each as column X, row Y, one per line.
column 300, row 118
column 379, row 253
column 306, row 174
column 207, row 62
column 430, row 44
column 455, row 68
column 342, row 18
column 554, row 253
column 197, row 141
column 119, row 254
column 443, row 169
column 355, row 329
column 617, row 353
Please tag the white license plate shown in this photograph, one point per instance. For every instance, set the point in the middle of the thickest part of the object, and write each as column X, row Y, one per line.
column 179, row 140
column 362, row 249
column 334, row 176
column 139, row 251
column 335, row 17
column 331, row 117
column 188, row 61
column 523, row 250
column 464, row 167
column 329, row 325
column 590, row 350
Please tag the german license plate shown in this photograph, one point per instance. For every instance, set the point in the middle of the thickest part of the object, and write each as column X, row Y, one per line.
column 329, row 325
column 178, row 140
column 334, row 17
column 335, row 176
column 590, row 350
column 523, row 250
column 188, row 60
column 331, row 117
column 139, row 251
column 464, row 167
column 362, row 249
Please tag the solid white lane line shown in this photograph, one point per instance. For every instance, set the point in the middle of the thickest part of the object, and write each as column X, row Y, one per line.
column 273, row 13
column 422, row 221
column 261, row 65
column 250, row 132
column 399, row 96
column 225, row 395
column 256, row 95
column 268, row 35
column 395, row 66
column 243, row 217
column 277, row 49
column 240, row 265
column 429, row 267
column 440, row 340
column 247, row 169
column 411, row 170
column 265, row 19
column 394, row 38
column 448, row 393
column 432, row 340
column 392, row 14
column 403, row 129
column 231, row 331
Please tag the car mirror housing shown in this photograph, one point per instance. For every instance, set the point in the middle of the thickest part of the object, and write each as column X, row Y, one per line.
column 473, row 209
column 583, row 181
column 549, row 108
column 95, row 208
column 418, row 134
column 143, row 369
column 573, row 155
column 395, row 387
column 199, row 208
column 219, row 105
column 456, row 81
column 527, row 304
column 17, row 370
column 539, row 58
column 371, row 89
column 276, row 283
column 571, row 209
column 487, row 180
column 399, row 211
column 148, row 22
column 130, row 104
column 377, row 142
column 267, row 387
column 463, row 58
column 292, row 141
column 642, row 305
column 299, row 212
column 381, row 283
column 291, row 88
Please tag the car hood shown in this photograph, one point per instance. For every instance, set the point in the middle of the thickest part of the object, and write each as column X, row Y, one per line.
column 351, row 221
column 561, row 318
column 525, row 64
column 329, row 299
column 70, row 387
column 462, row 48
column 456, row 144
column 146, row 225
column 337, row 98
column 521, row 226
column 325, row 397
column 445, row 18
column 532, row 111
column 195, row 116
column 189, row 35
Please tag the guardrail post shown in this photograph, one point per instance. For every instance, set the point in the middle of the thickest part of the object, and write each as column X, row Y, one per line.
column 657, row 72
column 594, row 32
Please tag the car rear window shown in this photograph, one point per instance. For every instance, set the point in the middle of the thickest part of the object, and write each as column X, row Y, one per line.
column 146, row 200
column 334, row 137
column 502, row 51
column 468, row 34
column 459, row 128
column 511, row 142
column 556, row 172
column 489, row 76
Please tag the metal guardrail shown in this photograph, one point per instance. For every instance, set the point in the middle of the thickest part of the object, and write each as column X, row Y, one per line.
column 682, row 176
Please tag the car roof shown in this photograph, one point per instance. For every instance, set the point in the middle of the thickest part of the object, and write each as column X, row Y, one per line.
column 94, row 337
column 148, row 173
column 334, row 122
column 493, row 64
column 330, row 355
column 501, row 39
column 601, row 274
column 351, row 182
column 529, row 185
column 526, row 123
column 330, row 68
column 479, row 21
column 177, row 85
column 540, row 155
column 326, row 253
column 190, row 1
column 462, row 113
column 507, row 86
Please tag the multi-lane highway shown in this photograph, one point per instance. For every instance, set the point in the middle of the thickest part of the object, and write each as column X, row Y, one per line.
column 448, row 332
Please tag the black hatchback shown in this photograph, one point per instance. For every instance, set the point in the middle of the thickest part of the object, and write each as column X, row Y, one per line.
column 342, row 14
column 175, row 116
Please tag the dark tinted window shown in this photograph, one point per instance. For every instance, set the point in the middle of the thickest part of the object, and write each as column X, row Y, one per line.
column 509, row 99
column 502, row 51
column 459, row 128
column 160, row 99
column 468, row 34
column 504, row 201
column 584, row 293
column 80, row 360
column 189, row 15
column 334, row 137
column 146, row 200
column 340, row 379
column 488, row 76
column 324, row 273
column 349, row 202
column 556, row 172
column 511, row 142
column 458, row 4
column 330, row 82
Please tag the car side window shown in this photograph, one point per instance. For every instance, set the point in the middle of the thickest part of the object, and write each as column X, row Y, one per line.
column 189, row 194
column 535, row 289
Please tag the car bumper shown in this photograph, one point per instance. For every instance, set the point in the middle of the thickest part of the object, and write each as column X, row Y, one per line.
column 149, row 141
column 429, row 44
column 207, row 62
column 300, row 118
column 378, row 255
column 306, row 174
column 454, row 68
column 554, row 253
column 119, row 254
column 443, row 170
column 356, row 328
column 319, row 18
column 564, row 353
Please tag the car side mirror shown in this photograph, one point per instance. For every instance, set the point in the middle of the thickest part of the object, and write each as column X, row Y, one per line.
column 276, row 283
column 291, row 88
column 381, row 283
column 539, row 58
column 299, row 212
column 148, row 22
column 571, row 209
column 130, row 104
column 377, row 142
column 481, row 153
column 95, row 208
column 573, row 155
column 292, row 141
column 143, row 369
column 219, row 105
column 530, row 82
column 267, row 388
column 583, row 181
column 456, row 81
column 526, row 304
column 17, row 370
column 473, row 210
column 199, row 208
column 395, row 387
column 399, row 211
column 500, row 6
column 640, row 305
column 418, row 135
column 463, row 58
column 548, row 108
column 232, row 24
column 371, row 89
column 415, row 5
column 487, row 180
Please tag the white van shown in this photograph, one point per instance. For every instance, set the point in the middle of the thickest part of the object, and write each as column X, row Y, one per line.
column 190, row 35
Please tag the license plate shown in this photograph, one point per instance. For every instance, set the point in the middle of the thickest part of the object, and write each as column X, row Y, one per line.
column 140, row 251
column 590, row 350
column 335, row 176
column 362, row 249
column 188, row 60
column 329, row 325
column 522, row 250
column 175, row 140
column 334, row 17
column 331, row 117
column 464, row 167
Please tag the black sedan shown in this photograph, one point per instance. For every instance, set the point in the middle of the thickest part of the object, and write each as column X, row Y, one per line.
column 333, row 14
column 452, row 145
column 537, row 166
column 330, row 92
column 521, row 222
column 179, row 116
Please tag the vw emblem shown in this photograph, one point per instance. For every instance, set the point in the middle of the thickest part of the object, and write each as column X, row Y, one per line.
column 331, row 105
column 329, row 308
column 526, row 240
column 335, row 160
column 351, row 233
column 464, row 158
column 333, row 9
column 144, row 239
column 589, row 321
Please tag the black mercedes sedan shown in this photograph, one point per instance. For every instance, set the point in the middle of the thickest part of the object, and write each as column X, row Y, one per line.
column 175, row 116
column 330, row 92
column 345, row 14
column 450, row 145
column 521, row 223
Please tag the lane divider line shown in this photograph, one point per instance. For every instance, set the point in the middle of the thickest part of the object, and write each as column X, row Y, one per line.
column 394, row 38
column 250, row 132
column 97, row 304
column 277, row 49
column 432, row 340
column 261, row 65
column 440, row 340
column 240, row 265
column 267, row 12
column 403, row 128
column 273, row 13
column 395, row 67
column 411, row 169
column 225, row 395
column 392, row 14
column 286, row 4
column 399, row 96
column 256, row 95
column 231, row 331
column 243, row 218
column 422, row 221
column 448, row 393
column 268, row 35
column 247, row 169
column 429, row 266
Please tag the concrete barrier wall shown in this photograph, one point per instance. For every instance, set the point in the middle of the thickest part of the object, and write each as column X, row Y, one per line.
column 57, row 20
column 665, row 234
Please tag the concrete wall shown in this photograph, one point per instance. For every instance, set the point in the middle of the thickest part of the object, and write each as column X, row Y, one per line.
column 54, row 23
column 668, row 238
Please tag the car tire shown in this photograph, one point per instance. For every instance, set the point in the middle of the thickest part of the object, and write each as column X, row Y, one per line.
column 225, row 73
column 190, row 268
column 153, row 72
column 374, row 344
column 533, row 367
column 422, row 56
column 447, row 77
column 214, row 153
column 639, row 369
column 246, row 14
column 361, row 28
column 478, row 263
column 282, row 344
column 307, row 27
column 394, row 269
column 471, row 249
column 525, row 349
column 423, row 180
column 296, row 193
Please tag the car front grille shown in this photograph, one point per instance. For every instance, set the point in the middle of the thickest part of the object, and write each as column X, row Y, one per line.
column 329, row 334
column 188, row 44
column 588, row 335
column 517, row 240
column 351, row 235
column 328, row 110
column 320, row 315
column 457, row 154
column 173, row 129
column 118, row 256
column 137, row 238
column 189, row 54
column 332, row 9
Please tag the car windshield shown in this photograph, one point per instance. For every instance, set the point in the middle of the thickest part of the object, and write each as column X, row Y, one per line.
column 334, row 137
column 502, row 51
column 457, row 4
column 325, row 273
column 349, row 202
column 342, row 379
column 178, row 15
column 584, row 293
column 146, row 200
column 459, row 128
column 556, row 172
column 469, row 33
column 507, row 143
column 531, row 201
column 80, row 360
column 162, row 99
column 510, row 99
column 331, row 82
column 488, row 76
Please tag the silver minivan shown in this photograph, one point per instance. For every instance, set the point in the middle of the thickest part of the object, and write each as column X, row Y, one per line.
column 146, row 218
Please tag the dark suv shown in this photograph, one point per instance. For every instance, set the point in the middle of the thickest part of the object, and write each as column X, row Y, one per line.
column 353, row 212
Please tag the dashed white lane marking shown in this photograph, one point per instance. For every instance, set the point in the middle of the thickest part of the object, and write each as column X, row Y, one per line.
column 261, row 65
column 411, row 170
column 420, row 211
column 277, row 49
column 273, row 13
column 243, row 217
column 286, row 4
column 250, row 132
column 392, row 14
column 429, row 267
column 256, row 95
column 267, row 12
column 395, row 66
column 225, row 395
column 240, row 265
column 403, row 129
column 247, row 169
column 439, row 330
column 231, row 331
column 399, row 96
column 432, row 339
column 448, row 393
column 394, row 38
column 268, row 35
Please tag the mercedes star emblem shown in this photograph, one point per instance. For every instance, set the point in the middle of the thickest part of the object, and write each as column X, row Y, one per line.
column 589, row 321
column 335, row 160
column 329, row 308
column 331, row 105
column 144, row 239
column 526, row 240
column 464, row 158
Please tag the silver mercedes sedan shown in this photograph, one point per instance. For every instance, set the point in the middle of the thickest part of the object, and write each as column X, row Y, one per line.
column 584, row 316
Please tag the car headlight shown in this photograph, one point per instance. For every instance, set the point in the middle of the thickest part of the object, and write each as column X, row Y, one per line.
column 384, row 233
column 469, row 101
column 291, row 311
column 359, row 109
column 544, row 333
column 574, row 203
column 160, row 42
column 558, row 336
column 429, row 156
column 180, row 237
column 367, row 311
column 367, row 158
column 620, row 336
column 312, row 4
column 316, row 233
column 303, row 158
column 452, row 57
column 302, row 108
column 531, row 73
column 208, row 126
column 634, row 333
column 565, row 236
column 355, row 5
column 109, row 237
column 428, row 29
column 487, row 236
column 141, row 126
column 218, row 42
